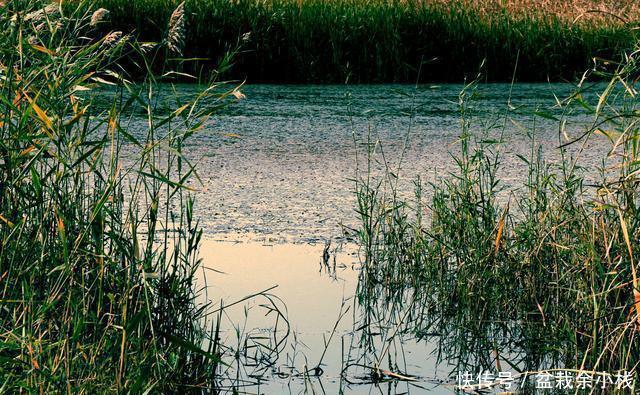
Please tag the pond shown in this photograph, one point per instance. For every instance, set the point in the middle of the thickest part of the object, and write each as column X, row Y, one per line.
column 277, row 171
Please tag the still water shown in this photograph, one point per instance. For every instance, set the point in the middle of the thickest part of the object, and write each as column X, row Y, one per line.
column 279, row 164
column 322, row 323
column 277, row 172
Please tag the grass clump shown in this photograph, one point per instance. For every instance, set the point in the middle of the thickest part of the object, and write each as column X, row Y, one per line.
column 98, row 239
column 537, row 275
column 394, row 41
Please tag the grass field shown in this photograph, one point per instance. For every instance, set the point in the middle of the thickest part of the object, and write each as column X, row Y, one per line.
column 394, row 41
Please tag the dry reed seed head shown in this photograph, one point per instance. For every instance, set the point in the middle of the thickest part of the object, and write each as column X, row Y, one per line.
column 38, row 17
column 111, row 39
column 50, row 11
column 145, row 48
column 177, row 30
column 238, row 95
column 100, row 16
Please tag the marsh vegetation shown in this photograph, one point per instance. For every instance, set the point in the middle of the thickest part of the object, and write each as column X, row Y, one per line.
column 394, row 41
column 504, row 260
column 98, row 252
column 535, row 275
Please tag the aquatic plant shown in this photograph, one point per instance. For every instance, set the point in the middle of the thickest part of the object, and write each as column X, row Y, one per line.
column 175, row 36
column 532, row 276
column 394, row 41
column 98, row 237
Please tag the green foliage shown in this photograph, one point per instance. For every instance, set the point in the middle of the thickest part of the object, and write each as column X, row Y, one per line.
column 378, row 41
column 98, row 241
column 532, row 276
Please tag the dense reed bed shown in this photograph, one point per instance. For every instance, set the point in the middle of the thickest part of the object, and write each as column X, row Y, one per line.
column 395, row 41
column 98, row 239
column 538, row 275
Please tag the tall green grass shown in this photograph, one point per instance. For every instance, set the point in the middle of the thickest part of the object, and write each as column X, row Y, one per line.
column 381, row 41
column 98, row 238
column 537, row 275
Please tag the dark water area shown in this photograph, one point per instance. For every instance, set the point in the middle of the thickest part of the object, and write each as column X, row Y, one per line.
column 277, row 171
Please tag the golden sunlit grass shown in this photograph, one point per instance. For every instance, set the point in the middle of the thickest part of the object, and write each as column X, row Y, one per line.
column 610, row 12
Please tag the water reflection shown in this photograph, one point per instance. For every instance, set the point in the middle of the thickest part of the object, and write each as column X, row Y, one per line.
column 277, row 167
column 327, row 349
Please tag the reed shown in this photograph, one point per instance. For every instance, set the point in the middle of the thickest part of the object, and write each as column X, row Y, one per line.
column 394, row 41
column 98, row 238
column 532, row 276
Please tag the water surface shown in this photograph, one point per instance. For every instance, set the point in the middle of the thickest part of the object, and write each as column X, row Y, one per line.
column 280, row 163
column 277, row 172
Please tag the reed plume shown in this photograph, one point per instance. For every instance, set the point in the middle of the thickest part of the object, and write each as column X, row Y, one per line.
column 111, row 39
column 51, row 10
column 39, row 17
column 100, row 16
column 177, row 31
